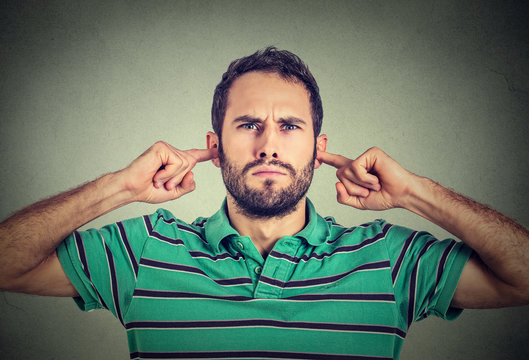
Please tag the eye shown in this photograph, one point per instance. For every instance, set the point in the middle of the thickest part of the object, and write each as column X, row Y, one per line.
column 249, row 126
column 290, row 127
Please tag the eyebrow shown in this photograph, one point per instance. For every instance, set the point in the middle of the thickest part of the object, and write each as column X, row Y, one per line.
column 285, row 120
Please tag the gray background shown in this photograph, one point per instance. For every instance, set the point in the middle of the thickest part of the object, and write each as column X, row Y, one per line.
column 443, row 87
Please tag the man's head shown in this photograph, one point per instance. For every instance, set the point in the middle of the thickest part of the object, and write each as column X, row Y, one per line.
column 269, row 60
column 267, row 138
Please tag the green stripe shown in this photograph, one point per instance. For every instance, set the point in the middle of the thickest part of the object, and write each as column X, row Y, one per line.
column 203, row 288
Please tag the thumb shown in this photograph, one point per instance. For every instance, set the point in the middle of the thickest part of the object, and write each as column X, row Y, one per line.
column 187, row 184
column 343, row 197
column 341, row 193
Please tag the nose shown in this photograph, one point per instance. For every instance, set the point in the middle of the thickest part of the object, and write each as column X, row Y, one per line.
column 268, row 146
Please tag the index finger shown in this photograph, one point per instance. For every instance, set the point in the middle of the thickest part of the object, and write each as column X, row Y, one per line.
column 203, row 154
column 334, row 160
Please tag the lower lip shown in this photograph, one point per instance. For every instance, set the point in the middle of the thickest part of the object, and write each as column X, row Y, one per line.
column 268, row 174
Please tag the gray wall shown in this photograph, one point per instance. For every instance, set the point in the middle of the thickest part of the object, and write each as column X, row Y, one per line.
column 443, row 87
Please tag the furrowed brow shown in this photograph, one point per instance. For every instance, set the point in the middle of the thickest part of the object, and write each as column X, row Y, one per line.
column 292, row 120
column 285, row 120
column 247, row 119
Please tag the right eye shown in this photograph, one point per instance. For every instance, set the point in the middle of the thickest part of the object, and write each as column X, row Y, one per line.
column 249, row 126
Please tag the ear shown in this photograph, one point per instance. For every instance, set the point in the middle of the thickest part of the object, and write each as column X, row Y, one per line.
column 321, row 145
column 212, row 140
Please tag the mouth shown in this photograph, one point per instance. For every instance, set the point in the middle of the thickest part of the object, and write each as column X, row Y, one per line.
column 268, row 171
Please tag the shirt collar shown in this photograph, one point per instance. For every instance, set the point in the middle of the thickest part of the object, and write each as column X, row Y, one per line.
column 317, row 230
column 218, row 227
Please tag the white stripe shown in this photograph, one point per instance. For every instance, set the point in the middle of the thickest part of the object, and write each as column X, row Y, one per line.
column 109, row 274
column 404, row 255
column 417, row 283
column 203, row 275
column 125, row 248
column 322, row 284
column 77, row 250
column 326, row 255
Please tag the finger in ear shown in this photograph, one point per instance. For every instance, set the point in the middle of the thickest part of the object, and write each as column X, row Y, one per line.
column 213, row 140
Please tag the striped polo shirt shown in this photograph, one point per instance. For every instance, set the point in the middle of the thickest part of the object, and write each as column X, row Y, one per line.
column 201, row 290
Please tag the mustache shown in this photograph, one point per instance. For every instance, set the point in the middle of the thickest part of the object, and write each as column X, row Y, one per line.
column 274, row 162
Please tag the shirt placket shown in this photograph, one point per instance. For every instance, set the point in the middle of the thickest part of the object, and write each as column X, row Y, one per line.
column 252, row 258
column 277, row 271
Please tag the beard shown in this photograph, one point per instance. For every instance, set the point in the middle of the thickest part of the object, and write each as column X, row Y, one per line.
column 268, row 202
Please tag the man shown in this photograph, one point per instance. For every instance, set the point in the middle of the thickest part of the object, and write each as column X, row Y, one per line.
column 266, row 276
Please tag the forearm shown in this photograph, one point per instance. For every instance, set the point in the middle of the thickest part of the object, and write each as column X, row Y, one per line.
column 501, row 243
column 28, row 237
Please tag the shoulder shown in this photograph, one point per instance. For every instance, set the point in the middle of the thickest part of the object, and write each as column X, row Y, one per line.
column 164, row 216
column 163, row 225
column 376, row 229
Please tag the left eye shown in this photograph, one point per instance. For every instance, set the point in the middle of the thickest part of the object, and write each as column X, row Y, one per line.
column 290, row 127
column 249, row 126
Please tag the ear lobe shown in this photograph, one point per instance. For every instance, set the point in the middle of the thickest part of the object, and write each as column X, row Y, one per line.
column 212, row 141
column 321, row 145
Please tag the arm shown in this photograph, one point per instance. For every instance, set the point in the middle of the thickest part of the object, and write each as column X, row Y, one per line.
column 496, row 276
column 28, row 239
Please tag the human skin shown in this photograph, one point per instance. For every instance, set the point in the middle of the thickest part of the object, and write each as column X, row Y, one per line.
column 267, row 118
column 495, row 277
column 28, row 239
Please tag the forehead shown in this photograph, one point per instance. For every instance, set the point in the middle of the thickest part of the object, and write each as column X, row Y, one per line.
column 262, row 95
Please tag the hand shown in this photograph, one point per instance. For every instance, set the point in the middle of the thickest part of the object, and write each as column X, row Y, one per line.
column 163, row 172
column 374, row 181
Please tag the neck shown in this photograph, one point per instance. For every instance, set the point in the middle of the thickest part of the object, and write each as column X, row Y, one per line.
column 264, row 232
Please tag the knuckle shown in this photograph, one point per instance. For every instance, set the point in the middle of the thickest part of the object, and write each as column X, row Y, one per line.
column 348, row 171
column 355, row 170
column 159, row 144
column 176, row 162
column 158, row 147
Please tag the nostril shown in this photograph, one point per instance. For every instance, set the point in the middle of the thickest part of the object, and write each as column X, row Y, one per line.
column 262, row 154
column 274, row 155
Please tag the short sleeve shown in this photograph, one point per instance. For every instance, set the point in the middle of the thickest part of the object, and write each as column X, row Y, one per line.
column 102, row 264
column 425, row 272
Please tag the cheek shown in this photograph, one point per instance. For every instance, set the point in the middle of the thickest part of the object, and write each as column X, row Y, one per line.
column 300, row 152
column 236, row 151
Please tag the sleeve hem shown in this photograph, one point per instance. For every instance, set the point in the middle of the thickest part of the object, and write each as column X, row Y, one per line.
column 442, row 308
column 85, row 301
